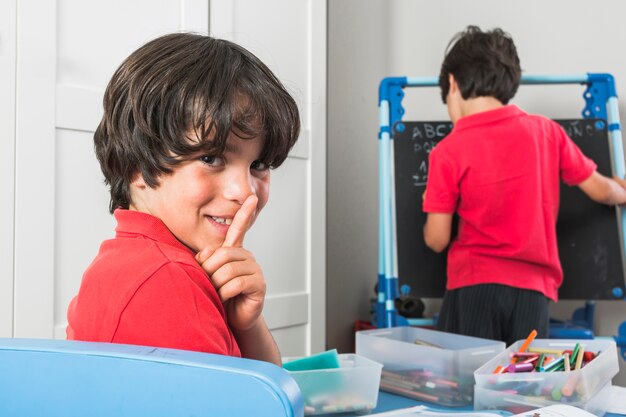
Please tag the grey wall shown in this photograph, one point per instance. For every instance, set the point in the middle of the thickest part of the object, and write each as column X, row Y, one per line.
column 372, row 39
column 357, row 50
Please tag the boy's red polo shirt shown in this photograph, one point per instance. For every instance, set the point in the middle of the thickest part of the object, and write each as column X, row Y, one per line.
column 500, row 171
column 145, row 288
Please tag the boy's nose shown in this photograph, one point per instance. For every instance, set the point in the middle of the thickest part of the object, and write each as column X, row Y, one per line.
column 238, row 187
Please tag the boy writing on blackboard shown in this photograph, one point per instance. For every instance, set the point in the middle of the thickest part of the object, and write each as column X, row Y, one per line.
column 499, row 170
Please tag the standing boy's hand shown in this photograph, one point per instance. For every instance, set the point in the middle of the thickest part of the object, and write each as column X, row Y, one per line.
column 235, row 273
column 620, row 181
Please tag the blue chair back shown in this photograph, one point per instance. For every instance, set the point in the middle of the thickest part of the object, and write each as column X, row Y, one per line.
column 42, row 377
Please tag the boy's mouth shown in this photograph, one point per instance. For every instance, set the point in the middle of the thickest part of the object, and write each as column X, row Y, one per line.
column 222, row 220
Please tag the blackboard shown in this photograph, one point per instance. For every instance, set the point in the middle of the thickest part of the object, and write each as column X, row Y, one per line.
column 588, row 233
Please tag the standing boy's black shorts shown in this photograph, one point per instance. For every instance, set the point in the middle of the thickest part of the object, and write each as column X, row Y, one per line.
column 494, row 311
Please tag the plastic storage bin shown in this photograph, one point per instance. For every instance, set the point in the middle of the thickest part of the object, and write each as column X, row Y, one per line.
column 427, row 365
column 353, row 387
column 486, row 399
column 577, row 386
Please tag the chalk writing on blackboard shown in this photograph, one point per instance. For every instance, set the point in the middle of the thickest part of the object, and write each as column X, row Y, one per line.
column 424, row 137
column 437, row 130
column 581, row 128
column 421, row 176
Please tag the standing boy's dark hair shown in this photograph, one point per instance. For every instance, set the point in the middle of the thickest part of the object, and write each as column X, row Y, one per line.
column 484, row 64
column 182, row 94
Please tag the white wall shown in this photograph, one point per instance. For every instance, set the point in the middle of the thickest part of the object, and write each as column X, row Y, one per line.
column 373, row 39
column 358, row 43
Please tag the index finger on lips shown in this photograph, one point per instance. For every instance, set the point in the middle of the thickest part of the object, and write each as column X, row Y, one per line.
column 241, row 222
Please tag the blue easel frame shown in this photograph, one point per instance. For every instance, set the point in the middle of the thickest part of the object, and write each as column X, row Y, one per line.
column 600, row 102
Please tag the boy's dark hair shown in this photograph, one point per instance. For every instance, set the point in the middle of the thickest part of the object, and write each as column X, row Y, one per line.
column 183, row 94
column 483, row 64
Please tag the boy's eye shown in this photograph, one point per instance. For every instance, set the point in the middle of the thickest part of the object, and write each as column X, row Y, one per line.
column 259, row 166
column 212, row 160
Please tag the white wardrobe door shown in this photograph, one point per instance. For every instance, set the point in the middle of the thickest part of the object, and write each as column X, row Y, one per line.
column 67, row 52
column 8, row 36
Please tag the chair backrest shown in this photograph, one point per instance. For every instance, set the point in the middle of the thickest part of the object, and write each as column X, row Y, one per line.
column 42, row 377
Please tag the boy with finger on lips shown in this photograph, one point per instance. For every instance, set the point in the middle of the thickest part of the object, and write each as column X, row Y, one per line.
column 192, row 126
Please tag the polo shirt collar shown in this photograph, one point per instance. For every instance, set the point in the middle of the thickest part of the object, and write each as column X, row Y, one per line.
column 489, row 116
column 139, row 223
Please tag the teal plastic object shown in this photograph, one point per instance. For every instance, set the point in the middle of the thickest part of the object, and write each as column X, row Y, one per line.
column 313, row 376
column 322, row 360
column 54, row 378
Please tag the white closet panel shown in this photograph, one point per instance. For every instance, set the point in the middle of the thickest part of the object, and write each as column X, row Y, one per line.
column 34, row 169
column 67, row 52
column 8, row 36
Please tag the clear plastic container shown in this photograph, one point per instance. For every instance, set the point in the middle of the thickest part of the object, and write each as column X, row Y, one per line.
column 576, row 386
column 353, row 387
column 486, row 399
column 427, row 365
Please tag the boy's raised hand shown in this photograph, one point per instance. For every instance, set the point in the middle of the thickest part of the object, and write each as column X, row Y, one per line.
column 235, row 273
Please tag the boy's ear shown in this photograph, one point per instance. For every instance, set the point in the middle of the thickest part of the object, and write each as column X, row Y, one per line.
column 138, row 181
column 453, row 85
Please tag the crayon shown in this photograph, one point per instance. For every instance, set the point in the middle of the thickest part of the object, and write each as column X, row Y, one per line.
column 588, row 356
column 520, row 367
column 579, row 358
column 525, row 354
column 410, row 393
column 552, row 366
column 420, row 373
column 574, row 354
column 547, row 360
column 570, row 384
column 432, row 385
column 526, row 344
column 446, row 382
column 581, row 390
column 556, row 352
column 566, row 362
column 438, row 386
column 331, row 408
column 532, row 359
column 542, row 357
column 498, row 369
column 427, row 344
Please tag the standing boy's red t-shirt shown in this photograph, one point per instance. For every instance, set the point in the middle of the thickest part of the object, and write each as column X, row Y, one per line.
column 145, row 288
column 500, row 170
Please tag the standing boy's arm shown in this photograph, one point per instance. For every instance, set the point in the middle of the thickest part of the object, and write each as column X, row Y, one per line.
column 604, row 189
column 437, row 230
